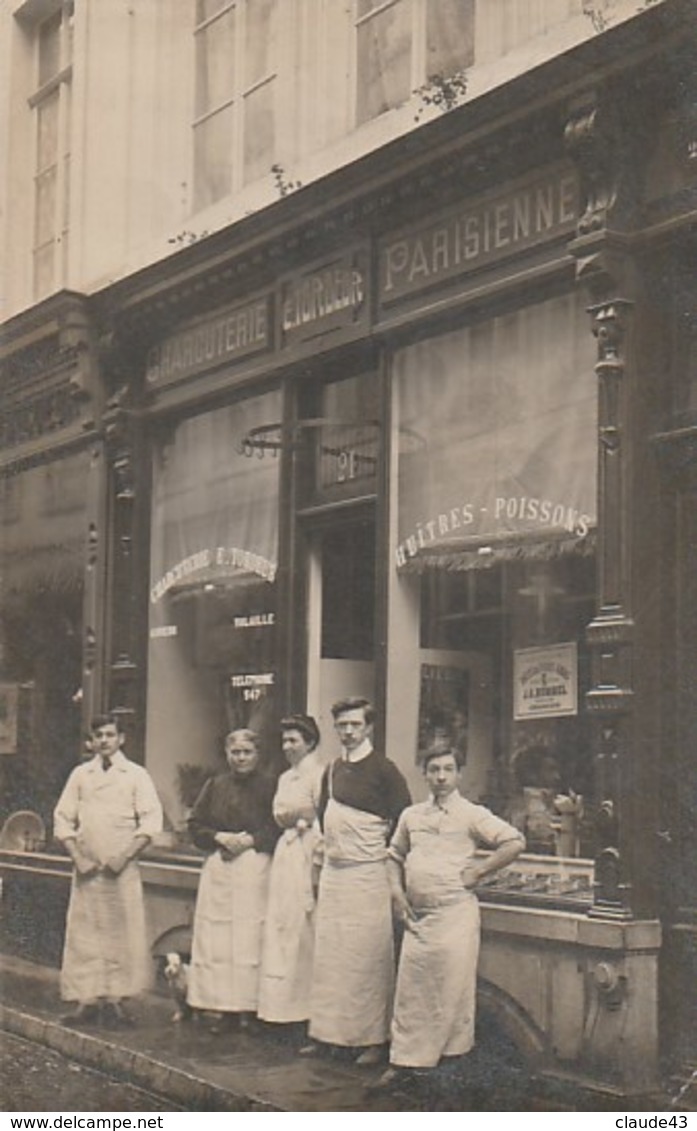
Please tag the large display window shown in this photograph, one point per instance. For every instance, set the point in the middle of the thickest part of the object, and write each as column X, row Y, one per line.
column 493, row 576
column 43, row 536
column 212, row 622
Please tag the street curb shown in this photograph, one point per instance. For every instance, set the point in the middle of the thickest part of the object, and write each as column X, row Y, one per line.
column 193, row 1093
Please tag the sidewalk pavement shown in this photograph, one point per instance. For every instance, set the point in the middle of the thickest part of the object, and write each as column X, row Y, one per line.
column 237, row 1071
column 257, row 1070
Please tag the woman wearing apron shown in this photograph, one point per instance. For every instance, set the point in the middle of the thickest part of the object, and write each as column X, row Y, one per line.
column 232, row 820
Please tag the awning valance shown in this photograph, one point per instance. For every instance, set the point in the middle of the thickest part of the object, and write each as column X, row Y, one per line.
column 456, row 558
column 59, row 568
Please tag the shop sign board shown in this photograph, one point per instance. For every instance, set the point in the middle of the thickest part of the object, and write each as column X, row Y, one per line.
column 331, row 295
column 227, row 337
column 478, row 232
column 545, row 681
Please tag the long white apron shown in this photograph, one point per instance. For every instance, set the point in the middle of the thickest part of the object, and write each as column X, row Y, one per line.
column 289, row 932
column 228, row 924
column 105, row 952
column 436, row 985
column 354, row 972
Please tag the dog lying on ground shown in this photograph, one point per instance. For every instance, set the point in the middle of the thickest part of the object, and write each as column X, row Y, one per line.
column 176, row 974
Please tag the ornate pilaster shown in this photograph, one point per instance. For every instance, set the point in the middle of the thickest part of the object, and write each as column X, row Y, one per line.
column 611, row 630
column 607, row 150
column 127, row 565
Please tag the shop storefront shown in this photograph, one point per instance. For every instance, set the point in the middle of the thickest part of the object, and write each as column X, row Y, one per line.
column 352, row 495
column 401, row 440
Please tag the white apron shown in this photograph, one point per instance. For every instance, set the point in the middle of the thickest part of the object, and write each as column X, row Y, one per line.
column 228, row 923
column 287, row 962
column 105, row 952
column 436, row 986
column 351, row 1002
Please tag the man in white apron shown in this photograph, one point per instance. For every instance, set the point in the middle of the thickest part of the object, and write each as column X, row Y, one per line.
column 107, row 814
column 433, row 871
column 361, row 798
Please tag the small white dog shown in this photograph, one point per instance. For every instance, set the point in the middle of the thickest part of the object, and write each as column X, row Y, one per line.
column 176, row 973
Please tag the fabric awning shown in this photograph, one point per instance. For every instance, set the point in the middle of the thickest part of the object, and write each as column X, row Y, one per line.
column 215, row 507
column 458, row 558
column 59, row 568
column 507, row 416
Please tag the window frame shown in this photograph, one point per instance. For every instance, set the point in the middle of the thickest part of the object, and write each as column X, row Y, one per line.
column 419, row 49
column 58, row 84
column 237, row 100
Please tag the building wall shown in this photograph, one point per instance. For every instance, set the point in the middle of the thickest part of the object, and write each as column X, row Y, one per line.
column 131, row 199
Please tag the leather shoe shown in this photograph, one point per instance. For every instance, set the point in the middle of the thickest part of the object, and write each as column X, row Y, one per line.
column 83, row 1014
column 116, row 1016
column 223, row 1024
column 310, row 1049
column 391, row 1077
column 370, row 1056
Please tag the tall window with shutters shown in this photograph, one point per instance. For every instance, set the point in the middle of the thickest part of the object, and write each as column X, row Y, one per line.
column 402, row 44
column 236, row 90
column 50, row 104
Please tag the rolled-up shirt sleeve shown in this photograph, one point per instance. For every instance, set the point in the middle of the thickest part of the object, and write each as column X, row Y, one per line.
column 492, row 831
column 400, row 844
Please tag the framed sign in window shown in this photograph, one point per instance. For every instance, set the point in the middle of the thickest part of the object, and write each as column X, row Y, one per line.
column 545, row 681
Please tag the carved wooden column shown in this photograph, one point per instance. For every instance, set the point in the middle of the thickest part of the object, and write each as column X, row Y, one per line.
column 128, row 567
column 606, row 152
column 611, row 630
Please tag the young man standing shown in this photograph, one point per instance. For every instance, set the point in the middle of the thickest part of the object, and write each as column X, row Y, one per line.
column 107, row 814
column 361, row 798
column 433, row 871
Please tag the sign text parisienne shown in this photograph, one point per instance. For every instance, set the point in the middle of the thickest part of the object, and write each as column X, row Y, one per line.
column 477, row 232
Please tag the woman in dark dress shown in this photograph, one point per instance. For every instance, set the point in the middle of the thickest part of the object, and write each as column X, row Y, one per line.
column 233, row 821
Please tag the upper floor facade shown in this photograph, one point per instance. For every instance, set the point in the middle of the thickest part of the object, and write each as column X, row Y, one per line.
column 132, row 128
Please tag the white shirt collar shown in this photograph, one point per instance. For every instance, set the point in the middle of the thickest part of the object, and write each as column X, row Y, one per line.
column 447, row 803
column 362, row 751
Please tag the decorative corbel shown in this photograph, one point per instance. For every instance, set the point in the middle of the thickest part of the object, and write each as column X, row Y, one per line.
column 591, row 139
column 605, row 135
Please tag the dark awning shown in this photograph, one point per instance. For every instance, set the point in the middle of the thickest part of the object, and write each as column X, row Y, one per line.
column 460, row 559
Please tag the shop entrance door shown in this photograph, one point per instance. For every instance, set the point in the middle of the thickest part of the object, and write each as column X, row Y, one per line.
column 341, row 619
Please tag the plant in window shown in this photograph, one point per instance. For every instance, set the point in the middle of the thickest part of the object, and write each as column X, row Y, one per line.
column 444, row 92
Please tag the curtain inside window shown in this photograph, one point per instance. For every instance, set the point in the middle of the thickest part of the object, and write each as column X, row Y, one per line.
column 498, row 438
column 215, row 508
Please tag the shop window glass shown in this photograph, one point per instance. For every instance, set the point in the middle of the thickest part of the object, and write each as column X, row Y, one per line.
column 496, row 498
column 523, row 623
column 347, row 447
column 212, row 649
column 42, row 564
column 504, row 413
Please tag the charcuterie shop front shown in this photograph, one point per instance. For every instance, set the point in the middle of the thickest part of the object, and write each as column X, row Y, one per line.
column 405, row 440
